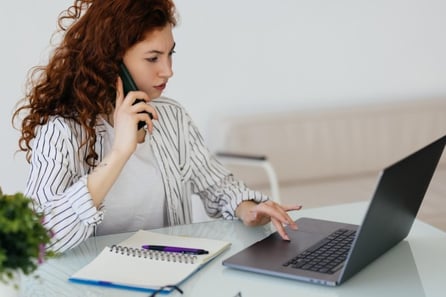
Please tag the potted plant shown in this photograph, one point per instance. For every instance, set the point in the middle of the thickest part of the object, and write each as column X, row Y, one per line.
column 22, row 237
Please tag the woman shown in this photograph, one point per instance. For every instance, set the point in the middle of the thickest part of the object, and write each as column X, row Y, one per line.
column 93, row 171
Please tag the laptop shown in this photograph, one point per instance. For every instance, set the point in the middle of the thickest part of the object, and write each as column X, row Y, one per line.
column 309, row 255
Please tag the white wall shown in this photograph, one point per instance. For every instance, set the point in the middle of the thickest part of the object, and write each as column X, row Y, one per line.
column 257, row 55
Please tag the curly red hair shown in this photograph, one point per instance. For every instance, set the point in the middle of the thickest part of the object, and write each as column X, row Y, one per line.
column 79, row 81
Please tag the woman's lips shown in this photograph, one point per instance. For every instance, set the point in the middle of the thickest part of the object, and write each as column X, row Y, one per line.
column 160, row 87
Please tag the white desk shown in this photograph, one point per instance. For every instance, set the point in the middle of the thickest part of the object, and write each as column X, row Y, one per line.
column 396, row 273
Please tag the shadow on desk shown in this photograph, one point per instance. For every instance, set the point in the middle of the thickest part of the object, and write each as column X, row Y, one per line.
column 401, row 277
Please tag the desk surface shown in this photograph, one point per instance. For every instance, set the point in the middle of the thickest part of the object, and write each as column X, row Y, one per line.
column 415, row 267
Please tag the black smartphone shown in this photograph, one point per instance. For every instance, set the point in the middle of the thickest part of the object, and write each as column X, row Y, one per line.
column 129, row 85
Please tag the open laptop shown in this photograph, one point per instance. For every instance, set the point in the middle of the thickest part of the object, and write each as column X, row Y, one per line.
column 388, row 220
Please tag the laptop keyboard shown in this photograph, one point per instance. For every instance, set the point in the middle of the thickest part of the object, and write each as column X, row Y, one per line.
column 327, row 255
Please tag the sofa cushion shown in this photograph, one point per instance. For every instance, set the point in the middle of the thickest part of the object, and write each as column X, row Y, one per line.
column 331, row 142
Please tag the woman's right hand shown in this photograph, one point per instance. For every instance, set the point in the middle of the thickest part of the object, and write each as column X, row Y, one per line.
column 126, row 117
column 125, row 122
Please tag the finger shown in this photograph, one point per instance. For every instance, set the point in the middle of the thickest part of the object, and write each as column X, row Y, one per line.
column 119, row 92
column 144, row 117
column 285, row 218
column 291, row 207
column 151, row 110
column 258, row 219
column 146, row 109
column 280, row 229
column 142, row 106
column 132, row 96
column 274, row 210
column 291, row 222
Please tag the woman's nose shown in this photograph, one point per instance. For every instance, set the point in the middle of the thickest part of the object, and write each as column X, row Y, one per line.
column 166, row 69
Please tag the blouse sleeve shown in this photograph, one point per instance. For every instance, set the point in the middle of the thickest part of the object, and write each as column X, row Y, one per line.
column 219, row 190
column 58, row 186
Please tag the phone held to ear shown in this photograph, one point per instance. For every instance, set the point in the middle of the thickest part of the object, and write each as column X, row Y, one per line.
column 129, row 85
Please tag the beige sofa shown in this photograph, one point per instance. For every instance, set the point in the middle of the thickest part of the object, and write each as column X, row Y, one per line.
column 334, row 155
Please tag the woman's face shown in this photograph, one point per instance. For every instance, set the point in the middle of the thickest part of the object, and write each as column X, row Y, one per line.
column 150, row 61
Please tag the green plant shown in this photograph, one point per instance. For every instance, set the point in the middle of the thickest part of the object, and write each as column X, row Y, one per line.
column 22, row 236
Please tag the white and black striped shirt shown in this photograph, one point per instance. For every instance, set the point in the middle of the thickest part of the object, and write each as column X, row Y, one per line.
column 58, row 175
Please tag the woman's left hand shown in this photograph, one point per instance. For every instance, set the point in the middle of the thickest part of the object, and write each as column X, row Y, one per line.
column 255, row 214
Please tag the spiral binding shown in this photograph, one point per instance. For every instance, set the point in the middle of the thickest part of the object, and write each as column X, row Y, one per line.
column 154, row 255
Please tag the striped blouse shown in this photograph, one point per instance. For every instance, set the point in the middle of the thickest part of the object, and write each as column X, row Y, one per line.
column 58, row 176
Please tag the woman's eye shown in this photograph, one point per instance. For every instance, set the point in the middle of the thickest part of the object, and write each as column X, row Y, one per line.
column 152, row 60
column 172, row 52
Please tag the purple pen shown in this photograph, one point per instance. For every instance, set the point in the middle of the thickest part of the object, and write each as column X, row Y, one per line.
column 175, row 249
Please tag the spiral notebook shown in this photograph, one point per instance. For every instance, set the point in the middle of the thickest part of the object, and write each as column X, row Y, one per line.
column 128, row 266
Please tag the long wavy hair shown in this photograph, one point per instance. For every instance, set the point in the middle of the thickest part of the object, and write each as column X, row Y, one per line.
column 79, row 81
